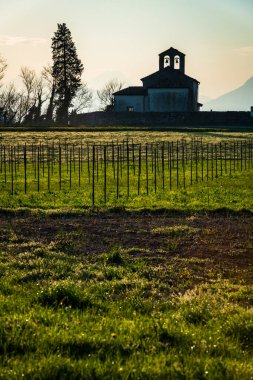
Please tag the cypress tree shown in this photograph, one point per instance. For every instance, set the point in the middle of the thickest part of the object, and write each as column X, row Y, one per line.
column 67, row 71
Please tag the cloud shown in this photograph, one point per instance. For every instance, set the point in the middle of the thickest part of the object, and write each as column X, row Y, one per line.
column 245, row 50
column 20, row 40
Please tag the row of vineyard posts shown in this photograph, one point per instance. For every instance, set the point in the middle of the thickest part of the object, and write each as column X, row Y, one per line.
column 119, row 168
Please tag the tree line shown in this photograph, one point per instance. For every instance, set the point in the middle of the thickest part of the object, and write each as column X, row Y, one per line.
column 57, row 92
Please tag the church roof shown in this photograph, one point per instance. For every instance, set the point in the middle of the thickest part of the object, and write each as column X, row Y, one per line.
column 173, row 51
column 173, row 76
column 134, row 90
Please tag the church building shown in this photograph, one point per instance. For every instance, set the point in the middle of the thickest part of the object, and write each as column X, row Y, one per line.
column 167, row 90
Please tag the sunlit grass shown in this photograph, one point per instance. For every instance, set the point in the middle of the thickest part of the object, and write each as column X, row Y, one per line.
column 75, row 137
column 145, row 305
column 66, row 316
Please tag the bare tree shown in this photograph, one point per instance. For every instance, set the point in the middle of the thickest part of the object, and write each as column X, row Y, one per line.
column 47, row 74
column 34, row 95
column 28, row 77
column 9, row 101
column 105, row 95
column 41, row 96
column 21, row 107
column 3, row 67
column 83, row 99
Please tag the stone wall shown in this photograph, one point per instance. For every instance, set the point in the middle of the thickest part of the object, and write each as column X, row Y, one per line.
column 162, row 119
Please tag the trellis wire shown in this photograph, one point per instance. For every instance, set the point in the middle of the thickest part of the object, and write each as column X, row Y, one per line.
column 119, row 168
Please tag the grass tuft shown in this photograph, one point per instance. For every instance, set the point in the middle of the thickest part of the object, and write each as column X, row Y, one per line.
column 64, row 295
column 115, row 257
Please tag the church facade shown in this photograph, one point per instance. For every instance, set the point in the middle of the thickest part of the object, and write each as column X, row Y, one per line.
column 167, row 90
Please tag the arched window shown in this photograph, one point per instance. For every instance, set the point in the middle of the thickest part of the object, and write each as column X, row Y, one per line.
column 166, row 61
column 177, row 62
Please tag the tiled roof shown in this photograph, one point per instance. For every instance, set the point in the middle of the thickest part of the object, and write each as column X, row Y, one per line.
column 172, row 50
column 137, row 90
column 173, row 72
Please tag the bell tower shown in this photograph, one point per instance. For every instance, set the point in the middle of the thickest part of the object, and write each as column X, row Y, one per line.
column 173, row 58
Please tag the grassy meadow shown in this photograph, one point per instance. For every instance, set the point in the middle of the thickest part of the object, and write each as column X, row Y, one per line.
column 209, row 135
column 134, row 285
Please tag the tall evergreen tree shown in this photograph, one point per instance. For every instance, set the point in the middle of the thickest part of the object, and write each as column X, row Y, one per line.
column 67, row 71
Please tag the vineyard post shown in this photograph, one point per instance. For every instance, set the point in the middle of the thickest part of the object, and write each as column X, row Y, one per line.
column 230, row 159
column 133, row 156
column 191, row 158
column 12, row 176
column 177, row 165
column 81, row 157
column 236, row 156
column 32, row 156
column 67, row 157
column 245, row 155
column 113, row 161
column 241, row 155
column 221, row 157
column 202, row 161
column 251, row 152
column 139, row 170
column 121, row 158
column 155, row 179
column 25, row 168
column 1, row 158
column 225, row 157
column 146, row 151
column 18, row 156
column 88, row 160
column 105, row 167
column 15, row 162
column 157, row 159
column 101, row 152
column 52, row 160
column 59, row 163
column 216, row 161
column 97, row 160
column 79, row 166
column 70, row 168
column 123, row 151
column 170, row 158
column 93, row 174
column 43, row 160
column 128, row 171
column 196, row 163
column 183, row 165
column 172, row 155
column 118, row 163
column 212, row 163
column 207, row 161
column 152, row 158
column 163, row 165
column 48, row 168
column 38, row 168
column 74, row 159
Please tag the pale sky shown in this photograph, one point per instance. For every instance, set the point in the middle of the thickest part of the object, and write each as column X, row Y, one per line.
column 123, row 38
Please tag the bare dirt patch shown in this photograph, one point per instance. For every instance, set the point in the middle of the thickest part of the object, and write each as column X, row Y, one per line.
column 209, row 246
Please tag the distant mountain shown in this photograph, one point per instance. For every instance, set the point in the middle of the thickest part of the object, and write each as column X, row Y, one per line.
column 204, row 99
column 240, row 99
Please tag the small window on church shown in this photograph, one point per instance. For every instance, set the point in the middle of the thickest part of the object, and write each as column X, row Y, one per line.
column 166, row 61
column 130, row 109
column 177, row 62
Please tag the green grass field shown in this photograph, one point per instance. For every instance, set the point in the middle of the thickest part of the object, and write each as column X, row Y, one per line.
column 155, row 286
column 147, row 297
column 75, row 136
